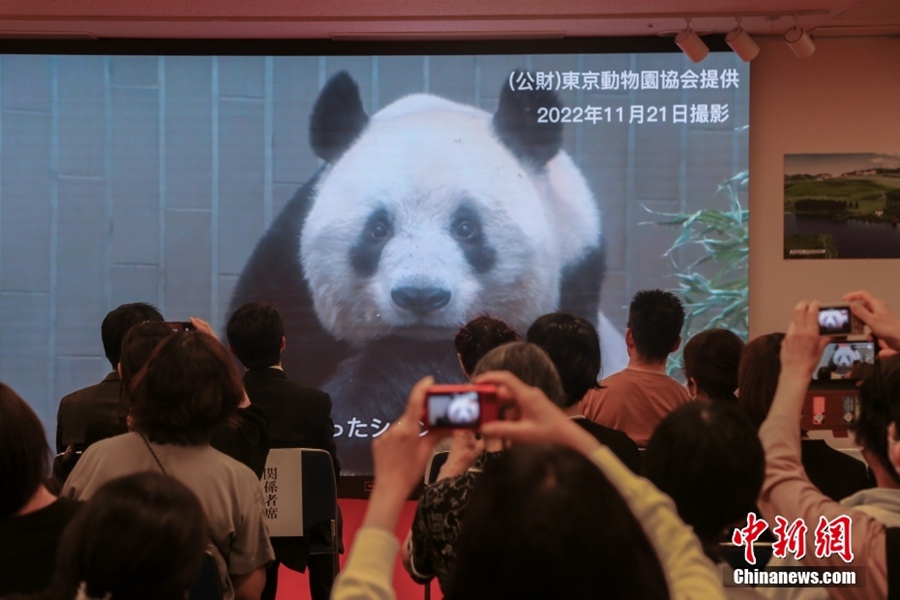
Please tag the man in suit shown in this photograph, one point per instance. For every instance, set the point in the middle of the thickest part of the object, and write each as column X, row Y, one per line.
column 93, row 411
column 299, row 417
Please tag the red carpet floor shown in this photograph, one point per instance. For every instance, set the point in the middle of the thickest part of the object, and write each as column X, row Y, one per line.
column 294, row 586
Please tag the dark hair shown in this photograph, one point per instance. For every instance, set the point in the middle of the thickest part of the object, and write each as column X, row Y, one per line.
column 24, row 453
column 712, row 357
column 655, row 318
column 479, row 336
column 119, row 321
column 139, row 343
column 758, row 374
column 879, row 407
column 189, row 387
column 529, row 363
column 254, row 332
column 574, row 347
column 708, row 458
column 141, row 537
column 544, row 522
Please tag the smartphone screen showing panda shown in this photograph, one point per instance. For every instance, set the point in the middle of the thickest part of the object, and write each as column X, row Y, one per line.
column 846, row 360
column 460, row 406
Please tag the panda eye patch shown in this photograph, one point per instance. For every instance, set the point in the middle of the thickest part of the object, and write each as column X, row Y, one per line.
column 366, row 253
column 467, row 230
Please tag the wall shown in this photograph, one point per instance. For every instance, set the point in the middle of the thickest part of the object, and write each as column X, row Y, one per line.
column 844, row 98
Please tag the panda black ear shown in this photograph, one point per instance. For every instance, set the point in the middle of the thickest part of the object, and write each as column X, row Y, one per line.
column 516, row 123
column 337, row 118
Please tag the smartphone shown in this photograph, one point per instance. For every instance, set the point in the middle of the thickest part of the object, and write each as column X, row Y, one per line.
column 180, row 325
column 465, row 406
column 838, row 322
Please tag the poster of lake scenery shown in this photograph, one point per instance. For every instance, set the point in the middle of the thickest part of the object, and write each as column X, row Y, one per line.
column 841, row 205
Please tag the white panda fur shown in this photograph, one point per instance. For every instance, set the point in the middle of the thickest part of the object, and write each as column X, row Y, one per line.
column 539, row 222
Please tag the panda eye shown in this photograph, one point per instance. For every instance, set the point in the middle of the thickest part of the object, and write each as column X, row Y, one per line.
column 466, row 230
column 379, row 231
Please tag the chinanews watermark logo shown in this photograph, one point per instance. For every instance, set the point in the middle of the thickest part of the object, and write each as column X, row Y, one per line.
column 831, row 538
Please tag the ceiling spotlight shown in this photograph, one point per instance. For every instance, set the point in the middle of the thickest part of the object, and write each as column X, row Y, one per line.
column 741, row 42
column 691, row 44
column 799, row 42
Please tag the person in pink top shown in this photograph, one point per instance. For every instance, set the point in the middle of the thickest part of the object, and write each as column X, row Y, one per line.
column 787, row 491
column 636, row 399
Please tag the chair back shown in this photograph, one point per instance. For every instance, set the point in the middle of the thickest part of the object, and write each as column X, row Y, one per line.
column 319, row 488
column 206, row 586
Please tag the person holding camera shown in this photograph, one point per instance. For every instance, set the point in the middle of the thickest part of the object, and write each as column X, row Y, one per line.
column 679, row 568
column 787, row 491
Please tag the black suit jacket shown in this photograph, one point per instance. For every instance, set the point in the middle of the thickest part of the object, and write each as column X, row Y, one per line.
column 299, row 417
column 94, row 406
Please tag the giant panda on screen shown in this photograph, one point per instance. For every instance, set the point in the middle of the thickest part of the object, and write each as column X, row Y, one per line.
column 423, row 217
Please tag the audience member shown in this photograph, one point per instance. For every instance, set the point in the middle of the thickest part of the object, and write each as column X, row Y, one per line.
column 544, row 522
column 473, row 340
column 711, row 361
column 636, row 399
column 478, row 337
column 428, row 551
column 299, row 417
column 188, row 388
column 708, row 459
column 788, row 492
column 574, row 347
column 140, row 537
column 98, row 405
column 400, row 455
column 835, row 473
column 31, row 518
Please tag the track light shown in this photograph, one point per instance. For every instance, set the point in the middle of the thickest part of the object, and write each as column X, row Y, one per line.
column 691, row 44
column 741, row 42
column 799, row 42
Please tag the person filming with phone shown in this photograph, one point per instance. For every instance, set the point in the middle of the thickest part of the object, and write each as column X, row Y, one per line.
column 787, row 492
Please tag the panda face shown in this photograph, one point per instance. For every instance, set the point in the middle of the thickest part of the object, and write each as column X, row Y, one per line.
column 425, row 222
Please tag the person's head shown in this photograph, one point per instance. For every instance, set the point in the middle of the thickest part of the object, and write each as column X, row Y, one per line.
column 479, row 336
column 711, row 361
column 140, row 537
column 655, row 319
column 758, row 373
column 529, row 363
column 24, row 453
column 879, row 408
column 188, row 387
column 708, row 458
column 119, row 321
column 550, row 525
column 256, row 335
column 138, row 345
column 574, row 347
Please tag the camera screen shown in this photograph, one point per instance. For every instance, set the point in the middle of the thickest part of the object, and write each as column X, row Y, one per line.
column 846, row 360
column 834, row 320
column 460, row 409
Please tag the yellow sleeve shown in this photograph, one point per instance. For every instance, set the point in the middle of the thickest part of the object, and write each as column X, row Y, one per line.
column 369, row 570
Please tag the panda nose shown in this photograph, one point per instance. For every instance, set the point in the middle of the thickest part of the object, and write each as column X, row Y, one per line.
column 420, row 299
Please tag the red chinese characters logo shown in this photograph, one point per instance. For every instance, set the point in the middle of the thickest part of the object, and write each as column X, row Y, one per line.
column 749, row 534
column 830, row 537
